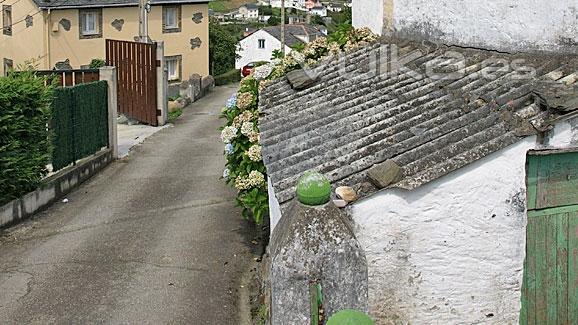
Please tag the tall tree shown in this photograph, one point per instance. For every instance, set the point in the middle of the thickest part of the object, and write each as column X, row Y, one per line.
column 222, row 49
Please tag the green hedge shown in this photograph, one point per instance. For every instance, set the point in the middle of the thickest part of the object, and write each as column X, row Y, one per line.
column 24, row 138
column 79, row 123
column 228, row 78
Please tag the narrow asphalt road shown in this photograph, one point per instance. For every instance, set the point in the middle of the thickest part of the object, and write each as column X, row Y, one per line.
column 153, row 239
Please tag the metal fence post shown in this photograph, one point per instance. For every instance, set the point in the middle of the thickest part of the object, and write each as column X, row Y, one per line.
column 109, row 75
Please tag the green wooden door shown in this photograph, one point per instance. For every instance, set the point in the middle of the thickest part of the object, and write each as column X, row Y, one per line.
column 550, row 289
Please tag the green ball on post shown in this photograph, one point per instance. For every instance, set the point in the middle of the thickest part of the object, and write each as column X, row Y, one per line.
column 350, row 317
column 313, row 189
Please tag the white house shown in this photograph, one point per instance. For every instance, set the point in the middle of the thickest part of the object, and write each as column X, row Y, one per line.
column 335, row 7
column 259, row 46
column 296, row 4
column 249, row 11
column 456, row 174
column 319, row 10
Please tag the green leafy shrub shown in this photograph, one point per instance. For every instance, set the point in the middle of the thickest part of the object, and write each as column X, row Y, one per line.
column 24, row 138
column 97, row 63
column 230, row 77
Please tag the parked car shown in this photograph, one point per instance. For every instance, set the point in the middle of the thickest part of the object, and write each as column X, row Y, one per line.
column 246, row 70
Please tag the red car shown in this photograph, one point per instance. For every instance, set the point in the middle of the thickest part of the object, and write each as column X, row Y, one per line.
column 246, row 70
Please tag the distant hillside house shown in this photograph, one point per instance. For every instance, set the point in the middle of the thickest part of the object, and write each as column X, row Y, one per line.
column 319, row 10
column 335, row 7
column 296, row 4
column 74, row 31
column 249, row 11
column 259, row 46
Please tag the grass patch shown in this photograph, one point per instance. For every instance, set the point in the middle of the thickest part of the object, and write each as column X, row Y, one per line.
column 226, row 78
column 218, row 6
column 226, row 5
column 173, row 116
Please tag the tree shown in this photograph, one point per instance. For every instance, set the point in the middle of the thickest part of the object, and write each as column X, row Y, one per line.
column 222, row 49
column 274, row 21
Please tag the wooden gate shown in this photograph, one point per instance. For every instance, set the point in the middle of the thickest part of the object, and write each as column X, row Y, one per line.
column 550, row 290
column 137, row 78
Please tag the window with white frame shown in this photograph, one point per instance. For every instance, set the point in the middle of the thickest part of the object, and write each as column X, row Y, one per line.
column 261, row 43
column 90, row 23
column 171, row 19
column 173, row 65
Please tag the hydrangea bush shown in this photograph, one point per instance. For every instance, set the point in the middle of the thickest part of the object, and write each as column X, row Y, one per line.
column 245, row 169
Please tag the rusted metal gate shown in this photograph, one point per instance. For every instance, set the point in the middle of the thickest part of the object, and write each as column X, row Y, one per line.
column 550, row 290
column 137, row 78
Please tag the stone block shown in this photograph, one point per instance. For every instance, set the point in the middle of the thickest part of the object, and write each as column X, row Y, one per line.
column 300, row 80
column 385, row 174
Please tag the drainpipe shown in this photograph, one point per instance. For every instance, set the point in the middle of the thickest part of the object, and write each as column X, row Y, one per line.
column 48, row 20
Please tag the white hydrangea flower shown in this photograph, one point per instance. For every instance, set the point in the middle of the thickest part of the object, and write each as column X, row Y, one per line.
column 255, row 137
column 263, row 72
column 228, row 134
column 247, row 128
column 256, row 178
column 254, row 153
column 298, row 56
column 226, row 173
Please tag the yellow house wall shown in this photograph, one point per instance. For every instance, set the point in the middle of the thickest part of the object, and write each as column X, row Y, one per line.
column 26, row 43
column 67, row 44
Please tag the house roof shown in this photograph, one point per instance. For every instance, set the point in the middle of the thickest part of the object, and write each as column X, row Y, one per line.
column 67, row 4
column 251, row 6
column 293, row 31
column 346, row 126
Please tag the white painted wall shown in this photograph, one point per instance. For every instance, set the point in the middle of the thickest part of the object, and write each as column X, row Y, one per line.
column 496, row 24
column 452, row 251
column 274, row 207
column 248, row 48
column 500, row 24
column 368, row 13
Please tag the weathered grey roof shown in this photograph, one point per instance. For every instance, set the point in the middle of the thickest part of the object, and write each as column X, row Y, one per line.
column 345, row 124
column 251, row 6
column 293, row 31
column 66, row 4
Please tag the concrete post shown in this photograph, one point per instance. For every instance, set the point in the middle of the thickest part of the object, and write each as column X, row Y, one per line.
column 162, row 85
column 314, row 244
column 109, row 75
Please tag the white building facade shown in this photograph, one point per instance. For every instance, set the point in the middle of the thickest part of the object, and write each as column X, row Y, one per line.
column 257, row 47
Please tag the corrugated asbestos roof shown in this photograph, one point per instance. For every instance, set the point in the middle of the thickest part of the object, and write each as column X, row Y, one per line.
column 343, row 125
column 65, row 4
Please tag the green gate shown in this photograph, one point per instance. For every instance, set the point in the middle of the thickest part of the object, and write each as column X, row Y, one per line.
column 550, row 289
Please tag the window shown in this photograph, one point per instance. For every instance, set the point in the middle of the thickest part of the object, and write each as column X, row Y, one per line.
column 8, row 65
column 173, row 64
column 7, row 20
column 171, row 19
column 261, row 43
column 90, row 23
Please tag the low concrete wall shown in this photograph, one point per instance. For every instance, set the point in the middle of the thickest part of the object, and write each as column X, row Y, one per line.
column 53, row 188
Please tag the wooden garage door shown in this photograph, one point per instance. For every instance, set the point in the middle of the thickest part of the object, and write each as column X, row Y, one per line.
column 550, row 289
